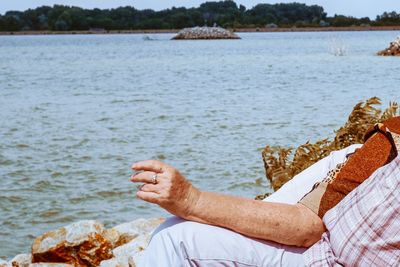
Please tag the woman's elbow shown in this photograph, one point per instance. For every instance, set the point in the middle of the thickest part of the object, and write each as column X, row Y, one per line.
column 312, row 227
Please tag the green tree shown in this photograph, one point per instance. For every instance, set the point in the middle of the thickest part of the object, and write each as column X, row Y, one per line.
column 2, row 24
column 225, row 13
column 13, row 21
column 61, row 25
column 181, row 20
column 220, row 12
column 343, row 21
column 388, row 18
column 54, row 14
column 77, row 19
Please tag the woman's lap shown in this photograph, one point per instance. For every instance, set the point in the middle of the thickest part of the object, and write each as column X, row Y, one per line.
column 184, row 243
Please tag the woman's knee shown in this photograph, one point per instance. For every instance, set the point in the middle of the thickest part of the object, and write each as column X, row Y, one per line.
column 176, row 232
column 165, row 244
column 174, row 229
column 171, row 224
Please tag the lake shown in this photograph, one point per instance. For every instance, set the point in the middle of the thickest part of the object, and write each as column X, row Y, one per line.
column 77, row 110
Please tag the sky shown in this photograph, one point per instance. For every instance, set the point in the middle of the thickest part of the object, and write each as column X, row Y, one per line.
column 355, row 8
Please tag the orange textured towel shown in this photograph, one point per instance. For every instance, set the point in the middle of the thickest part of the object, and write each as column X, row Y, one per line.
column 381, row 147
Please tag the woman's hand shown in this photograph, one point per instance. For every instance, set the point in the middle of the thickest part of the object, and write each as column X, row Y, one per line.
column 165, row 186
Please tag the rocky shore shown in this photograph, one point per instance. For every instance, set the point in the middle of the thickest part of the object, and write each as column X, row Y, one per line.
column 204, row 33
column 392, row 50
column 88, row 244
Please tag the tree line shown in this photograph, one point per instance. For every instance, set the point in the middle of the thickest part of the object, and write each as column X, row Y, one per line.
column 222, row 13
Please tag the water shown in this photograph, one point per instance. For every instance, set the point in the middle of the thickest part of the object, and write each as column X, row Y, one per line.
column 76, row 111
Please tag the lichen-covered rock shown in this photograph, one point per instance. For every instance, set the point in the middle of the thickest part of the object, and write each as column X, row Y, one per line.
column 113, row 263
column 204, row 33
column 392, row 50
column 112, row 236
column 134, row 238
column 131, row 252
column 47, row 264
column 87, row 244
column 134, row 260
column 21, row 260
column 80, row 244
column 130, row 230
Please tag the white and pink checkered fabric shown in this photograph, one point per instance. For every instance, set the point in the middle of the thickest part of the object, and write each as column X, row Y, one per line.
column 364, row 228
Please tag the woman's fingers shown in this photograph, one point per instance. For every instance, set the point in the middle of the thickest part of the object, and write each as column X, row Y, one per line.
column 150, row 165
column 145, row 177
column 150, row 188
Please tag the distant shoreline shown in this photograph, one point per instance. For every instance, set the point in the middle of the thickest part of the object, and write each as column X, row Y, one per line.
column 293, row 29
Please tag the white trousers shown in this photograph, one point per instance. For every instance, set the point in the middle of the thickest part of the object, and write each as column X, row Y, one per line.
column 180, row 243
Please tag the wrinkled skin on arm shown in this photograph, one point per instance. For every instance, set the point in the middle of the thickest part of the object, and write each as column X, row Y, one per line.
column 283, row 223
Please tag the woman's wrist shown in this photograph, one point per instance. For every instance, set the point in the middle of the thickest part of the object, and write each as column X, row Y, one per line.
column 191, row 201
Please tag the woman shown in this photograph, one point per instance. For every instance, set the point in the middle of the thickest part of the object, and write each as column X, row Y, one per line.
column 274, row 232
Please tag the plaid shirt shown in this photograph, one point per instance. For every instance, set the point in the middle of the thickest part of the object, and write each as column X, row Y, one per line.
column 364, row 228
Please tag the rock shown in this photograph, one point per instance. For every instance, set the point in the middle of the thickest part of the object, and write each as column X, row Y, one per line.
column 129, row 231
column 21, row 260
column 87, row 244
column 133, row 262
column 202, row 33
column 131, row 252
column 137, row 245
column 392, row 50
column 135, row 259
column 113, row 263
column 47, row 264
column 133, row 238
column 3, row 263
column 80, row 244
column 112, row 236
column 50, row 264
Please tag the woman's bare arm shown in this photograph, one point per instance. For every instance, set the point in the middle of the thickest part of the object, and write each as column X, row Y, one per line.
column 283, row 223
column 286, row 224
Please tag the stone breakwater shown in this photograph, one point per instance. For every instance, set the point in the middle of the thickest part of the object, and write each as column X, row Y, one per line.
column 88, row 244
column 392, row 50
column 204, row 33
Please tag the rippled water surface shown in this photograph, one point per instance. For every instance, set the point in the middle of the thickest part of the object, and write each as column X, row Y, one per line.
column 76, row 111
